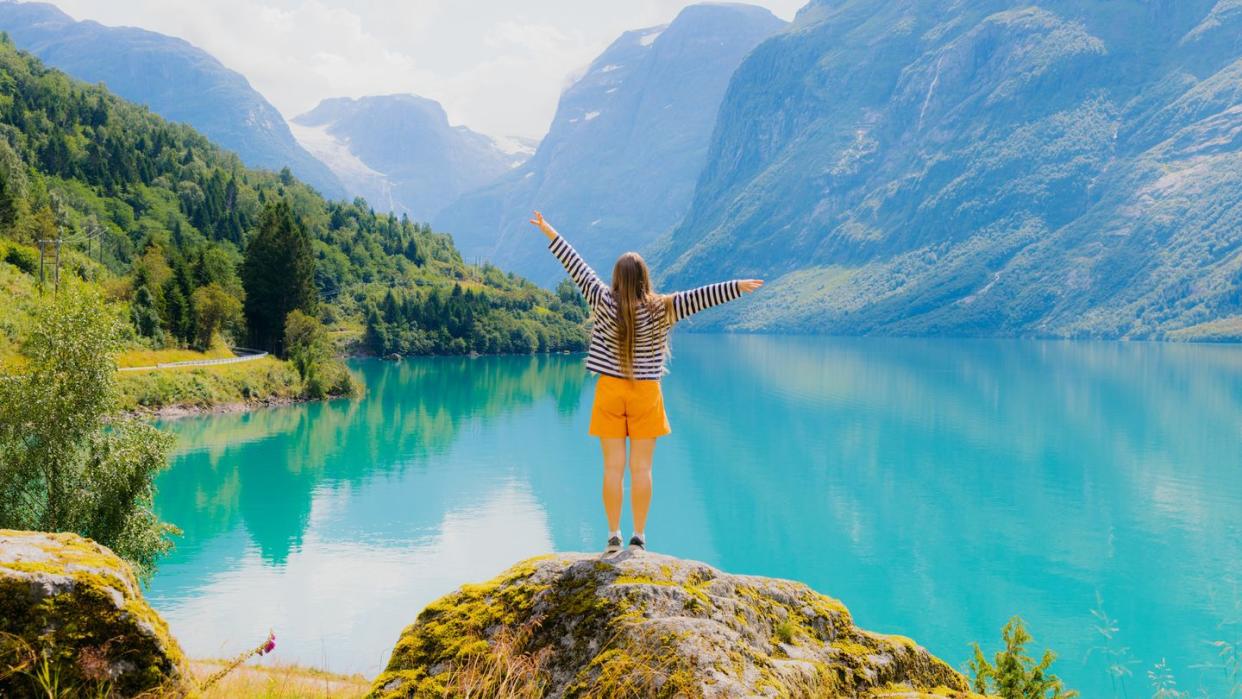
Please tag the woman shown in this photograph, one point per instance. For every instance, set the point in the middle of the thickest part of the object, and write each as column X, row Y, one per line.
column 629, row 342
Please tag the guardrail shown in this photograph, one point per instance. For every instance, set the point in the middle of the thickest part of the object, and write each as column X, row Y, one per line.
column 245, row 355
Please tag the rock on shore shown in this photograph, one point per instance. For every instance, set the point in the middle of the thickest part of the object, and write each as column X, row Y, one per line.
column 71, row 605
column 647, row 625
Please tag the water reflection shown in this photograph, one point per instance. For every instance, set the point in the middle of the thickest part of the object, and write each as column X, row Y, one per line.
column 278, row 506
column 936, row 486
column 262, row 467
column 941, row 486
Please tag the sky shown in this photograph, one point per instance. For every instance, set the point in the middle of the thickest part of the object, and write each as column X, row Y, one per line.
column 497, row 66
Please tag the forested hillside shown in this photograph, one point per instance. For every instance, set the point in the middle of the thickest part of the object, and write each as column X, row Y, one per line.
column 177, row 80
column 166, row 222
column 1047, row 167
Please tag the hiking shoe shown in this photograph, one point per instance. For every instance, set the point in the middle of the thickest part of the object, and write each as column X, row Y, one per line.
column 637, row 543
column 614, row 545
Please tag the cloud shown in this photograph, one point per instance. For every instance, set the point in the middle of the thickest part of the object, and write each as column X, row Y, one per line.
column 496, row 65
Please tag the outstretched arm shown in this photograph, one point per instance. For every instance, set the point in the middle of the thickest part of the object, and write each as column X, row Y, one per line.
column 587, row 280
column 687, row 303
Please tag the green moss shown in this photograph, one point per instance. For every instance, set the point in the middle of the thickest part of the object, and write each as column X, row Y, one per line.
column 632, row 629
column 641, row 665
column 97, row 608
column 899, row 640
column 457, row 626
column 642, row 580
column 786, row 631
column 901, row 691
column 854, row 649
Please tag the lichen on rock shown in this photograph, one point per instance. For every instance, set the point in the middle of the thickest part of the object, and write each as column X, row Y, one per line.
column 645, row 625
column 73, row 608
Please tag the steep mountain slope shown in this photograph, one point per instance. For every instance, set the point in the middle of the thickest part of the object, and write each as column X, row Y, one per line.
column 177, row 80
column 399, row 152
column 618, row 165
column 163, row 219
column 1046, row 167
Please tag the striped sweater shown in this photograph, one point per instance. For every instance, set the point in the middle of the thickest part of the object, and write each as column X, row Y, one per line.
column 651, row 336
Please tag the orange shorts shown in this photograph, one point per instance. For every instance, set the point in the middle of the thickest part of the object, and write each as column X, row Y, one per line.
column 628, row 409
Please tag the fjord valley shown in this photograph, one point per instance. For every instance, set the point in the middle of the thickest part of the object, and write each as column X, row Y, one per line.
column 618, row 164
column 1049, row 168
column 266, row 431
column 196, row 249
column 400, row 153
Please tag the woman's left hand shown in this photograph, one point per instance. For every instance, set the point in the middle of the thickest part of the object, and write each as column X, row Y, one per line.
column 543, row 225
column 749, row 285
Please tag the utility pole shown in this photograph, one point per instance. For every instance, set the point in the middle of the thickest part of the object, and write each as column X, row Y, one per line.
column 59, row 236
column 43, row 243
column 55, row 272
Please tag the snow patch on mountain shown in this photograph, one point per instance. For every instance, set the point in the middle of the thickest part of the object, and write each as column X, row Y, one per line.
column 358, row 177
column 519, row 148
column 334, row 152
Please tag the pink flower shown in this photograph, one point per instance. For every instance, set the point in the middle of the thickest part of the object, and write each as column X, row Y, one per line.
column 270, row 645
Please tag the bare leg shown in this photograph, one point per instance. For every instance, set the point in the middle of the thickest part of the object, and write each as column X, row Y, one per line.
column 614, row 473
column 641, row 453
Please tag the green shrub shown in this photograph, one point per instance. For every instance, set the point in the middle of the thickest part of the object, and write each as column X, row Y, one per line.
column 22, row 257
column 69, row 465
column 1015, row 675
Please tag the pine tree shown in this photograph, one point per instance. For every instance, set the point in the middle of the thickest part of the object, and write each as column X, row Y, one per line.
column 1014, row 674
column 178, row 302
column 145, row 316
column 279, row 276
column 179, row 321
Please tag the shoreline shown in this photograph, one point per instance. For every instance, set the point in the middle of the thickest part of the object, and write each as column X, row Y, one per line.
column 180, row 410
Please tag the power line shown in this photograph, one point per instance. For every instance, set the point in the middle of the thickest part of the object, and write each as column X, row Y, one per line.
column 43, row 243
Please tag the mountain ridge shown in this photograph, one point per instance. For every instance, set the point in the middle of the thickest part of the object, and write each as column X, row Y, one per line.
column 400, row 152
column 174, row 78
column 1000, row 168
column 619, row 162
column 162, row 215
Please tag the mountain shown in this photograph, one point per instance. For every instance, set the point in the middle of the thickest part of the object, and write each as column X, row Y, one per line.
column 399, row 152
column 618, row 165
column 1037, row 167
column 163, row 218
column 177, row 80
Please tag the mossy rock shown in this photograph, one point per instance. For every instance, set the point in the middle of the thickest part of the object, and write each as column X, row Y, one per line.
column 645, row 625
column 73, row 609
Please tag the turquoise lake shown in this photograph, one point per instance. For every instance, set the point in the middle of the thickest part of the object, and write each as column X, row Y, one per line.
column 936, row 487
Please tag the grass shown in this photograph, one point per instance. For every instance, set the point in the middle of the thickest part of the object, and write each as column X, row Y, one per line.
column 16, row 288
column 346, row 336
column 503, row 669
column 278, row 681
column 1220, row 330
column 150, row 357
column 197, row 387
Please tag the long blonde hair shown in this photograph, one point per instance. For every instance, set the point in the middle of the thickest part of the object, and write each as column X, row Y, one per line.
column 631, row 287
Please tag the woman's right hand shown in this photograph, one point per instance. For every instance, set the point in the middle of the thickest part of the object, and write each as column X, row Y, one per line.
column 544, row 226
column 749, row 285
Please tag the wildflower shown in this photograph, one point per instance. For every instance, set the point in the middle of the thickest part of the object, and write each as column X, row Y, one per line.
column 270, row 645
column 266, row 647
